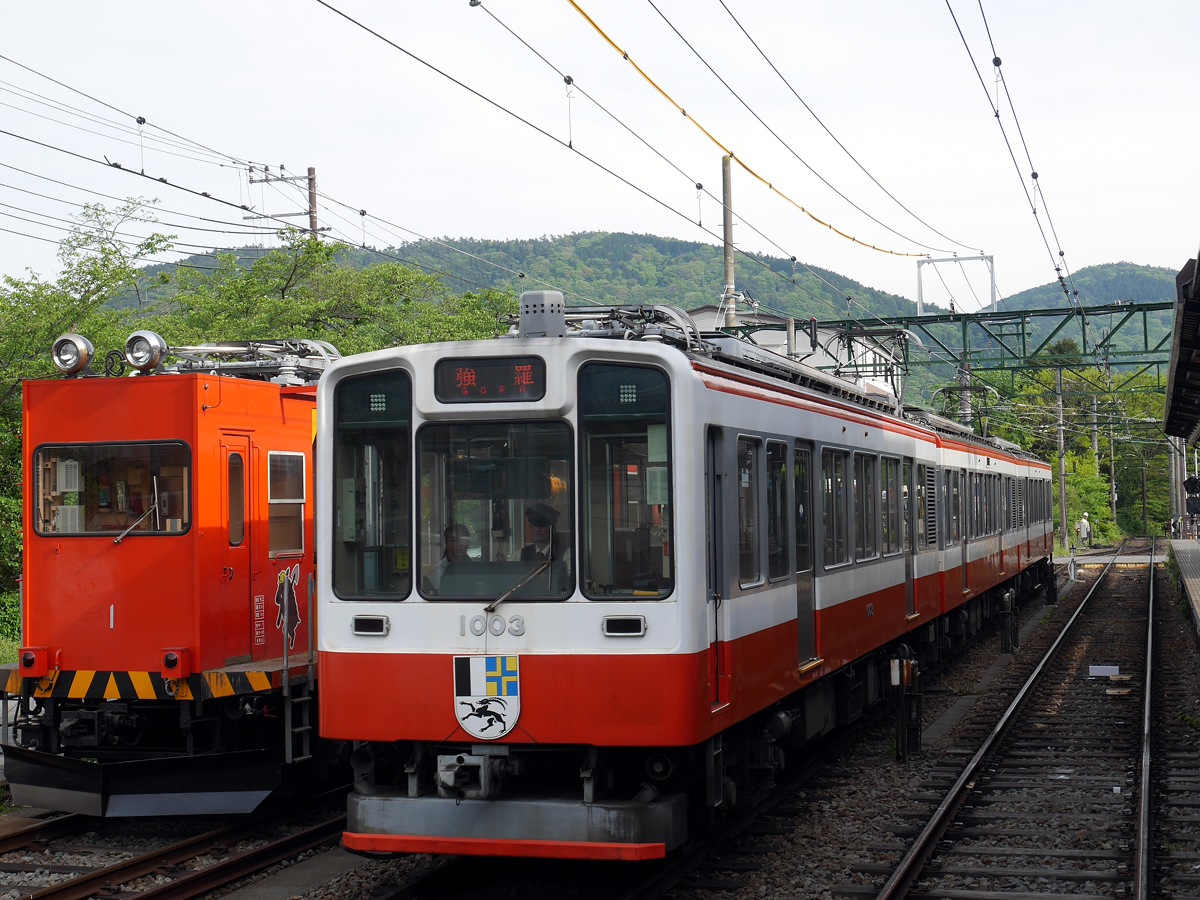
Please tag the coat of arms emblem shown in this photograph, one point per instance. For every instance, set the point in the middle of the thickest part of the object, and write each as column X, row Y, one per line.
column 487, row 694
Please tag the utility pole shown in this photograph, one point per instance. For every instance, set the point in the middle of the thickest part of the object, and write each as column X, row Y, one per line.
column 1112, row 469
column 1095, row 437
column 964, row 403
column 311, row 178
column 312, row 229
column 1145, row 521
column 1062, row 462
column 728, row 296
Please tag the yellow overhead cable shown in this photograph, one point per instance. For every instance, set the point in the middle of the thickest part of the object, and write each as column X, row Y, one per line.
column 625, row 55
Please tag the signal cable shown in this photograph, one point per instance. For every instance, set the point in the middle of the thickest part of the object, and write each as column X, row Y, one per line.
column 845, row 150
column 625, row 55
column 785, row 144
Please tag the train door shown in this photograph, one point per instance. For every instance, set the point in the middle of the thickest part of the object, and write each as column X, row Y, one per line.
column 906, row 532
column 964, row 518
column 714, row 493
column 242, row 630
column 805, row 613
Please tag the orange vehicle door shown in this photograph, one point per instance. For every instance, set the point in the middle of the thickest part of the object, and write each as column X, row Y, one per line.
column 242, row 629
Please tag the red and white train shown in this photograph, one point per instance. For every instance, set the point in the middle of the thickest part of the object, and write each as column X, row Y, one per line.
column 581, row 585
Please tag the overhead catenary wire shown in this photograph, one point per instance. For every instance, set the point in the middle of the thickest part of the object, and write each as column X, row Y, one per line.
column 833, row 136
column 1012, row 155
column 1037, row 186
column 771, row 187
column 790, row 149
column 719, row 200
column 556, row 140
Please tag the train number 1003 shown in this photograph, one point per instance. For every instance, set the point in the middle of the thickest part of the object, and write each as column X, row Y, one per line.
column 496, row 625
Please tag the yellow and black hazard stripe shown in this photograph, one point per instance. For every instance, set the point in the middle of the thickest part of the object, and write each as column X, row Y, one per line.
column 94, row 685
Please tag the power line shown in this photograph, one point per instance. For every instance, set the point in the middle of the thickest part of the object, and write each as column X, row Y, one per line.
column 141, row 120
column 771, row 187
column 843, row 147
column 785, row 144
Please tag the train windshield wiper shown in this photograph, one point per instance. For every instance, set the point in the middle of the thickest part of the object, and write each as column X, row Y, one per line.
column 525, row 579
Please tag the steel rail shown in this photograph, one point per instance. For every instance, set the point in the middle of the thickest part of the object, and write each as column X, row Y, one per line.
column 43, row 830
column 910, row 867
column 102, row 878
column 1144, row 824
column 241, row 865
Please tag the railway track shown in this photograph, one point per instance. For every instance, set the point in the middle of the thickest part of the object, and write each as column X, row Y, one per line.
column 53, row 851
column 1049, row 803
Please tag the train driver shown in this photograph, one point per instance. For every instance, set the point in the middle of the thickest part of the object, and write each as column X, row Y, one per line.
column 457, row 541
column 547, row 543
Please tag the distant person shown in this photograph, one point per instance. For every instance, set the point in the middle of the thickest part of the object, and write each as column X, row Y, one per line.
column 547, row 543
column 1083, row 529
column 457, row 541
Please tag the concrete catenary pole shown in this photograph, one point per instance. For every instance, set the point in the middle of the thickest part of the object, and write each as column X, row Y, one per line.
column 312, row 201
column 727, row 222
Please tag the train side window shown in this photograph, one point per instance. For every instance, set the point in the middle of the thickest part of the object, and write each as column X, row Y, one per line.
column 372, row 486
column 866, row 501
column 624, row 420
column 285, row 503
column 237, row 500
column 920, row 518
column 836, row 507
column 749, row 570
column 890, row 504
column 801, row 474
column 777, row 511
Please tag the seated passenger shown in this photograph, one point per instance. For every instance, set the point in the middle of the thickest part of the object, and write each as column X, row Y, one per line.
column 547, row 544
column 457, row 540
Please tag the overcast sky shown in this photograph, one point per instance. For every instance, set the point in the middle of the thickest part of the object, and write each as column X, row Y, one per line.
column 1105, row 93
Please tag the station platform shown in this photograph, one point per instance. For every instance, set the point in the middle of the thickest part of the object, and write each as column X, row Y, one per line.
column 1187, row 556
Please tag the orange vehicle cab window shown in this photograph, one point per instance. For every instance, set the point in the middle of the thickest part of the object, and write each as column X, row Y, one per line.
column 83, row 489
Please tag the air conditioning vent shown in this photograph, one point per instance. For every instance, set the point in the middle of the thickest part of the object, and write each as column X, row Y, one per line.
column 377, row 626
column 624, row 626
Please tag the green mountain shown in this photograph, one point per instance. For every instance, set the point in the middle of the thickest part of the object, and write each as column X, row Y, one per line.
column 611, row 268
column 1101, row 285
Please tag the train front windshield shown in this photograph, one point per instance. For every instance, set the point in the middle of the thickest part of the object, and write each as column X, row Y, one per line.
column 495, row 510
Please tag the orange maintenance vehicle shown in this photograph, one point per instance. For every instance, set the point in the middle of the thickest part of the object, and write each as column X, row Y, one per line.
column 167, row 608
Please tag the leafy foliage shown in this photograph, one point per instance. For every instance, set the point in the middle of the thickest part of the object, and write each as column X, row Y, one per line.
column 307, row 288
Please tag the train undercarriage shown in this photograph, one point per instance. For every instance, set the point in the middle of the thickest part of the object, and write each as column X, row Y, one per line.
column 635, row 802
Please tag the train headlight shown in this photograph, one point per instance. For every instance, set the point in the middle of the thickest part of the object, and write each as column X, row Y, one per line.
column 72, row 353
column 144, row 350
